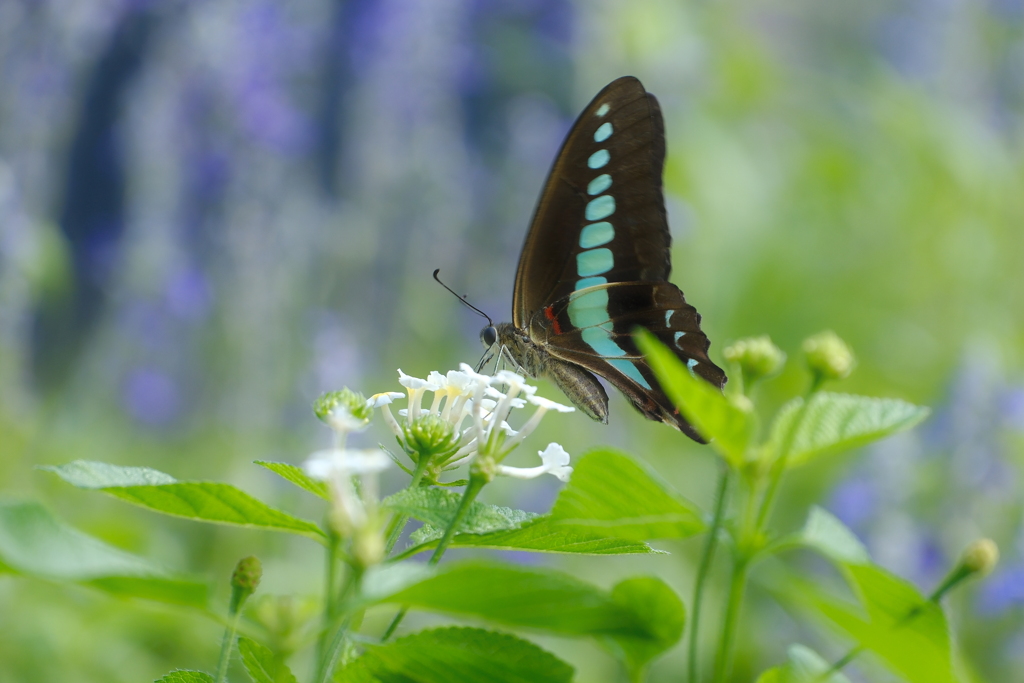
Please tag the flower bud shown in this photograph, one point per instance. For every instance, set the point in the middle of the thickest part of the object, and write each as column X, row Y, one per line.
column 980, row 556
column 368, row 547
column 244, row 581
column 430, row 435
column 757, row 357
column 828, row 356
column 344, row 410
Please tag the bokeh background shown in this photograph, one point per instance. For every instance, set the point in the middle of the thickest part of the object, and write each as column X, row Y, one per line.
column 212, row 211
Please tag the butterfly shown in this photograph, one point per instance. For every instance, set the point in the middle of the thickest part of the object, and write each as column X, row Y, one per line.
column 595, row 266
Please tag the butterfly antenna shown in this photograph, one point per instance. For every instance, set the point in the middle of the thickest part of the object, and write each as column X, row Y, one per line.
column 462, row 298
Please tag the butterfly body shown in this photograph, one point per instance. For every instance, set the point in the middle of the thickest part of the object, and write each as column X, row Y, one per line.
column 595, row 266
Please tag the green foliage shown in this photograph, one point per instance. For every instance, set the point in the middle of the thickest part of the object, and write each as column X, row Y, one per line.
column 261, row 664
column 500, row 528
column 437, row 507
column 553, row 602
column 297, row 476
column 618, row 496
column 540, row 535
column 467, row 655
column 200, row 501
column 804, row 666
column 35, row 543
column 184, row 676
column 838, row 422
column 728, row 424
column 892, row 618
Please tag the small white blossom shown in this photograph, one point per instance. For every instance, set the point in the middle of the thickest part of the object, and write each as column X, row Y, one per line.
column 351, row 511
column 461, row 394
column 555, row 462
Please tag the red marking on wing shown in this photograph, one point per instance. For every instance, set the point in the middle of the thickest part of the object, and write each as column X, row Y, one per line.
column 549, row 313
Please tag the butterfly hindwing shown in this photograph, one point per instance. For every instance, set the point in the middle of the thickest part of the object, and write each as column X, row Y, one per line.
column 605, row 346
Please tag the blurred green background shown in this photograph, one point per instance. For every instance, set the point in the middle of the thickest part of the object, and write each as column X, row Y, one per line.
column 210, row 212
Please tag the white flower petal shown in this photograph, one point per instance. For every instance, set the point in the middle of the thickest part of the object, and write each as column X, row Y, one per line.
column 341, row 419
column 474, row 376
column 383, row 399
column 414, row 383
column 438, row 380
column 459, row 382
column 331, row 462
column 548, row 404
column 554, row 455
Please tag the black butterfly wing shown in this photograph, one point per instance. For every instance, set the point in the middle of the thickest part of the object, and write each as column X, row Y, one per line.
column 606, row 180
column 605, row 344
column 596, row 260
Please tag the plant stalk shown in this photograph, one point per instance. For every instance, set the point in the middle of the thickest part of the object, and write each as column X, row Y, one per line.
column 737, row 586
column 476, row 483
column 397, row 523
column 707, row 557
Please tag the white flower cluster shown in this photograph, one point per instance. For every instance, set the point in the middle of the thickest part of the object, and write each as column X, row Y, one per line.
column 476, row 412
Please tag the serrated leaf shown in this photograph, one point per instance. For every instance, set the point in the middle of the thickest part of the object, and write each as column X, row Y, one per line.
column 727, row 425
column 539, row 535
column 553, row 602
column 615, row 495
column 261, row 664
column 466, row 655
column 893, row 619
column 838, row 422
column 186, row 676
column 297, row 476
column 804, row 666
column 437, row 507
column 201, row 501
column 35, row 543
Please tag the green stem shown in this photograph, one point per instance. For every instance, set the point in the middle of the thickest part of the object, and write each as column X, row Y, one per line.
column 330, row 656
column 330, row 575
column 779, row 466
column 397, row 523
column 226, row 646
column 476, row 483
column 707, row 556
column 737, row 586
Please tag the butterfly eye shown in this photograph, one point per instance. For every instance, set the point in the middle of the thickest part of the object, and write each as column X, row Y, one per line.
column 488, row 336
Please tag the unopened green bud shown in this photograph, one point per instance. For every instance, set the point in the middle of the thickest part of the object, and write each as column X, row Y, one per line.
column 368, row 547
column 828, row 356
column 244, row 580
column 430, row 435
column 345, row 409
column 757, row 357
column 980, row 556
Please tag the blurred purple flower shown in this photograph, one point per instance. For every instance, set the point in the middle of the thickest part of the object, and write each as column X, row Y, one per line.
column 187, row 294
column 1002, row 590
column 1012, row 408
column 854, row 501
column 151, row 397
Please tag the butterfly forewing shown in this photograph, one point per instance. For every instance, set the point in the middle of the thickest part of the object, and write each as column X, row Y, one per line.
column 596, row 260
column 602, row 213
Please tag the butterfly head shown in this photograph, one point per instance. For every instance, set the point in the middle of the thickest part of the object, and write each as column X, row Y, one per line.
column 489, row 336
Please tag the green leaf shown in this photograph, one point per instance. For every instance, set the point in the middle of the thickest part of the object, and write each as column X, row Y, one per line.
column 642, row 617
column 202, row 501
column 261, row 664
column 437, row 507
column 186, row 676
column 297, row 476
column 826, row 534
column 728, row 424
column 893, row 619
column 612, row 494
column 35, row 543
column 466, row 655
column 804, row 666
column 838, row 422
column 541, row 535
